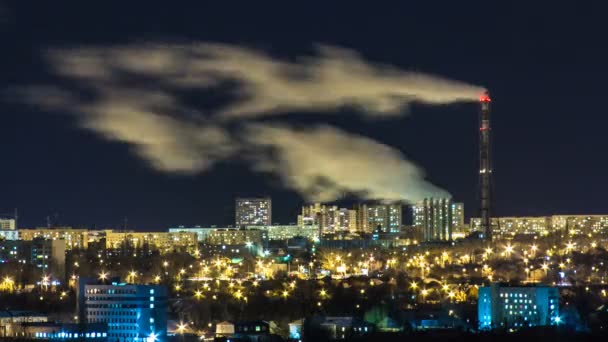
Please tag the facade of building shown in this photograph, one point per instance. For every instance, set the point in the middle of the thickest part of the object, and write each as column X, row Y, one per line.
column 435, row 219
column 9, row 235
column 326, row 218
column 508, row 227
column 386, row 218
column 505, row 307
column 580, row 224
column 164, row 242
column 10, row 321
column 253, row 212
column 47, row 255
column 49, row 331
column 8, row 224
column 201, row 232
column 74, row 238
column 235, row 236
column 133, row 313
column 285, row 232
column 347, row 220
column 458, row 225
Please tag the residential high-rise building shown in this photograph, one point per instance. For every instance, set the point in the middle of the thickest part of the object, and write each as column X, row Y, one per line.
column 325, row 217
column 253, row 212
column 133, row 313
column 395, row 218
column 458, row 217
column 347, row 220
column 7, row 224
column 434, row 217
column 504, row 307
column 385, row 217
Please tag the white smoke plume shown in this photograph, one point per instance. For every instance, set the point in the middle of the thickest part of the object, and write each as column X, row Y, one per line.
column 133, row 94
column 267, row 86
column 143, row 120
column 323, row 163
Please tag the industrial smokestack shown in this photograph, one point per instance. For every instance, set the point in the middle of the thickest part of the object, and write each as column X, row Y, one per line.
column 485, row 166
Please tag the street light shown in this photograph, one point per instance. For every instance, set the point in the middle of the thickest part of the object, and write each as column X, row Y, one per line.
column 424, row 293
column 152, row 337
column 132, row 276
column 508, row 250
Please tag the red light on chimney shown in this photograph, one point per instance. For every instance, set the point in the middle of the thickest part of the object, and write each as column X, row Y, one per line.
column 484, row 98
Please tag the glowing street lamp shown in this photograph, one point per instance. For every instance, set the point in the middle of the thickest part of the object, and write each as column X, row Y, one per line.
column 132, row 276
column 181, row 327
column 152, row 337
column 569, row 247
column 424, row 293
column 103, row 276
column 45, row 281
column 508, row 250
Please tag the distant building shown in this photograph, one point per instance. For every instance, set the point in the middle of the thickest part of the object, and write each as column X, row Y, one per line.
column 435, row 218
column 509, row 227
column 9, row 235
column 326, row 218
column 458, row 225
column 49, row 331
column 10, row 321
column 74, row 238
column 271, row 232
column 347, row 220
column 8, row 224
column 133, row 313
column 224, row 329
column 341, row 328
column 235, row 236
column 48, row 255
column 254, row 331
column 201, row 232
column 164, row 242
column 386, row 218
column 507, row 307
column 253, row 212
column 284, row 232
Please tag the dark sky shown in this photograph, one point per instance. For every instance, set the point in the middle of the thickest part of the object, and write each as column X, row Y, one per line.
column 544, row 63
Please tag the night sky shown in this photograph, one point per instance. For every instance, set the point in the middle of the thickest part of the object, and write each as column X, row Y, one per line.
column 544, row 64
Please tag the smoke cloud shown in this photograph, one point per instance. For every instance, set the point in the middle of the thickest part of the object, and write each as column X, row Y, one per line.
column 135, row 94
column 323, row 163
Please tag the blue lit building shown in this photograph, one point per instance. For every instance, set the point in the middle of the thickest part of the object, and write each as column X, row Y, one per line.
column 49, row 331
column 133, row 313
column 505, row 307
